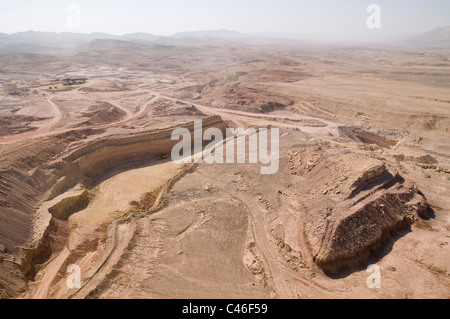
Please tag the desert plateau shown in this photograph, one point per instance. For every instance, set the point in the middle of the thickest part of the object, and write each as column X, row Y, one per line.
column 87, row 177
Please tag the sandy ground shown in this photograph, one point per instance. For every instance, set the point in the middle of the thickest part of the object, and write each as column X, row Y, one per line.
column 118, row 192
column 226, row 231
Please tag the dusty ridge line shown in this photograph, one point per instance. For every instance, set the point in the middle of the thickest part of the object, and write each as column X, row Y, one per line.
column 114, row 248
column 124, row 140
column 113, row 255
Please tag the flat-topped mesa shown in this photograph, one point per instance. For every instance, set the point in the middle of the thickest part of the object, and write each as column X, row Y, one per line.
column 375, row 201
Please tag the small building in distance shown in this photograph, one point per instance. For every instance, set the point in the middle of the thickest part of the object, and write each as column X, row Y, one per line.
column 10, row 88
column 74, row 81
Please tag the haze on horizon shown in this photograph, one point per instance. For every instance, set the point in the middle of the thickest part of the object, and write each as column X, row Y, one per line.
column 324, row 19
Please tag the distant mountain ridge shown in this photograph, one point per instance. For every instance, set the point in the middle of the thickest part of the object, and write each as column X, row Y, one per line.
column 223, row 33
column 53, row 42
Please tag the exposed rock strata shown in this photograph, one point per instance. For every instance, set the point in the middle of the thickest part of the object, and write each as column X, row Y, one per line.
column 368, row 199
column 82, row 165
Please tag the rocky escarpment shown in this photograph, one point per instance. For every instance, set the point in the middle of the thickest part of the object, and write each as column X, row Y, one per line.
column 21, row 191
column 363, row 201
column 25, row 178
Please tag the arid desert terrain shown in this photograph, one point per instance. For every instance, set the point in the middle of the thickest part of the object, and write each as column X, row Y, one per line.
column 86, row 176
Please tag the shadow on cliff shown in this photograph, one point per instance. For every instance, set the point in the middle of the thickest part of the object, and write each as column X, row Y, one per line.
column 373, row 255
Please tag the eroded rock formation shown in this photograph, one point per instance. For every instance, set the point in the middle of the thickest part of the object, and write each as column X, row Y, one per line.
column 76, row 165
column 367, row 200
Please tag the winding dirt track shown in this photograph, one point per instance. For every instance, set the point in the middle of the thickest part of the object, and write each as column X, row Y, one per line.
column 44, row 130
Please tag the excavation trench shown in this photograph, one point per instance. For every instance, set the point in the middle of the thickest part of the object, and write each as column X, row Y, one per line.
column 99, row 183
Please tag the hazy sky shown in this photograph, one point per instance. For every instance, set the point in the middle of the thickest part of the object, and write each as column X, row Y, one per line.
column 344, row 19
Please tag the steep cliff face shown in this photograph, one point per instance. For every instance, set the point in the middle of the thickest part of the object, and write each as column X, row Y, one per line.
column 68, row 206
column 97, row 158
